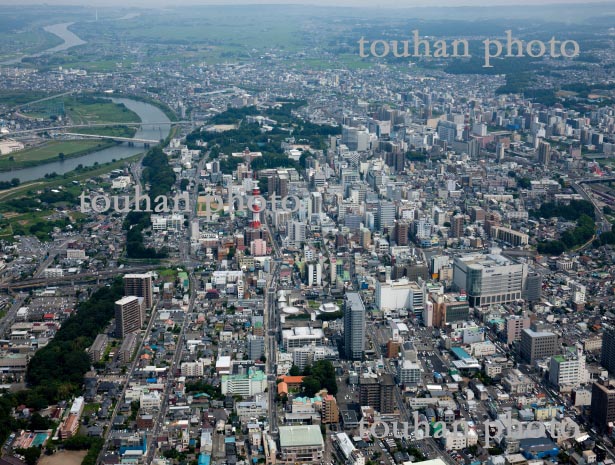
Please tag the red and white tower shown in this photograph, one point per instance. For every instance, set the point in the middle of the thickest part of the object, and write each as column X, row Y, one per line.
column 256, row 208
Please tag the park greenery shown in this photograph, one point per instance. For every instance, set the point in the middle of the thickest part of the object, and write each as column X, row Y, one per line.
column 269, row 143
column 572, row 237
column 570, row 212
column 320, row 375
column 56, row 371
column 134, row 224
column 157, row 173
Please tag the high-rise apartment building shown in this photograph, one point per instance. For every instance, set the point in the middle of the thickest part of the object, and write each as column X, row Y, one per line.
column 354, row 326
column 139, row 285
column 129, row 315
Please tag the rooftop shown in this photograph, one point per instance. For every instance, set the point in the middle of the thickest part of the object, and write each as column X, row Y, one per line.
column 303, row 435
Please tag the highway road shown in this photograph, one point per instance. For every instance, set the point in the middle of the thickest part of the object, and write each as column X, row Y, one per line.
column 129, row 375
column 160, row 419
column 272, row 330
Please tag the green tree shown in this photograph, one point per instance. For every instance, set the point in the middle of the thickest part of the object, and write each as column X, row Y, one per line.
column 294, row 371
column 31, row 454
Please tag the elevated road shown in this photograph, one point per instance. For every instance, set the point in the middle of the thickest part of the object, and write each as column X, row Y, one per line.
column 116, row 138
column 92, row 125
column 32, row 283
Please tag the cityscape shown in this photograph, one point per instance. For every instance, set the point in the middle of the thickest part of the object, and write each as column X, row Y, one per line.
column 296, row 233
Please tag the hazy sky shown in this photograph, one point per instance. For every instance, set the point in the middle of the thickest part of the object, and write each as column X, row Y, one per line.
column 360, row 3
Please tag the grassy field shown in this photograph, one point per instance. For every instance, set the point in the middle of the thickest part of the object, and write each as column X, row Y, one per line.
column 64, row 180
column 12, row 222
column 118, row 131
column 86, row 110
column 83, row 112
column 50, row 151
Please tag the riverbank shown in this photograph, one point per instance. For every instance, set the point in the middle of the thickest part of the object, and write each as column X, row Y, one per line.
column 43, row 154
column 167, row 110
column 156, row 126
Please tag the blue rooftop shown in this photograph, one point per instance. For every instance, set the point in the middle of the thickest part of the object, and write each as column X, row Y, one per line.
column 460, row 353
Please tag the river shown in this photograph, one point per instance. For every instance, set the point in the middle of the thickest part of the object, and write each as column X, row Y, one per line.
column 61, row 30
column 148, row 114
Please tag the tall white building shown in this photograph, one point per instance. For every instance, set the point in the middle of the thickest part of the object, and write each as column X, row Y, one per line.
column 296, row 233
column 578, row 293
column 568, row 371
column 314, row 274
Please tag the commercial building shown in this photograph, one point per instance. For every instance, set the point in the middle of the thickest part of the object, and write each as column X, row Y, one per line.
column 346, row 450
column 449, row 308
column 301, row 444
column 301, row 336
column 400, row 294
column 354, row 326
column 489, row 278
column 568, row 371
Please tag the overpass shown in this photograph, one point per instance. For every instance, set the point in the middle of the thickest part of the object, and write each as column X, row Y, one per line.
column 92, row 125
column 33, row 283
column 115, row 138
column 596, row 179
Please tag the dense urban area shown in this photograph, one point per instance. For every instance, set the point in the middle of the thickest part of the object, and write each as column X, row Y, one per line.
column 227, row 238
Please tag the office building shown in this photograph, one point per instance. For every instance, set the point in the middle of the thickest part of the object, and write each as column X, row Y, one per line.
column 314, row 274
column 568, row 371
column 128, row 315
column 256, row 347
column 603, row 405
column 449, row 308
column 457, row 226
column 139, row 285
column 296, row 233
column 385, row 216
column 544, row 153
column 536, row 345
column 607, row 357
column 354, row 326
column 402, row 230
column 514, row 325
